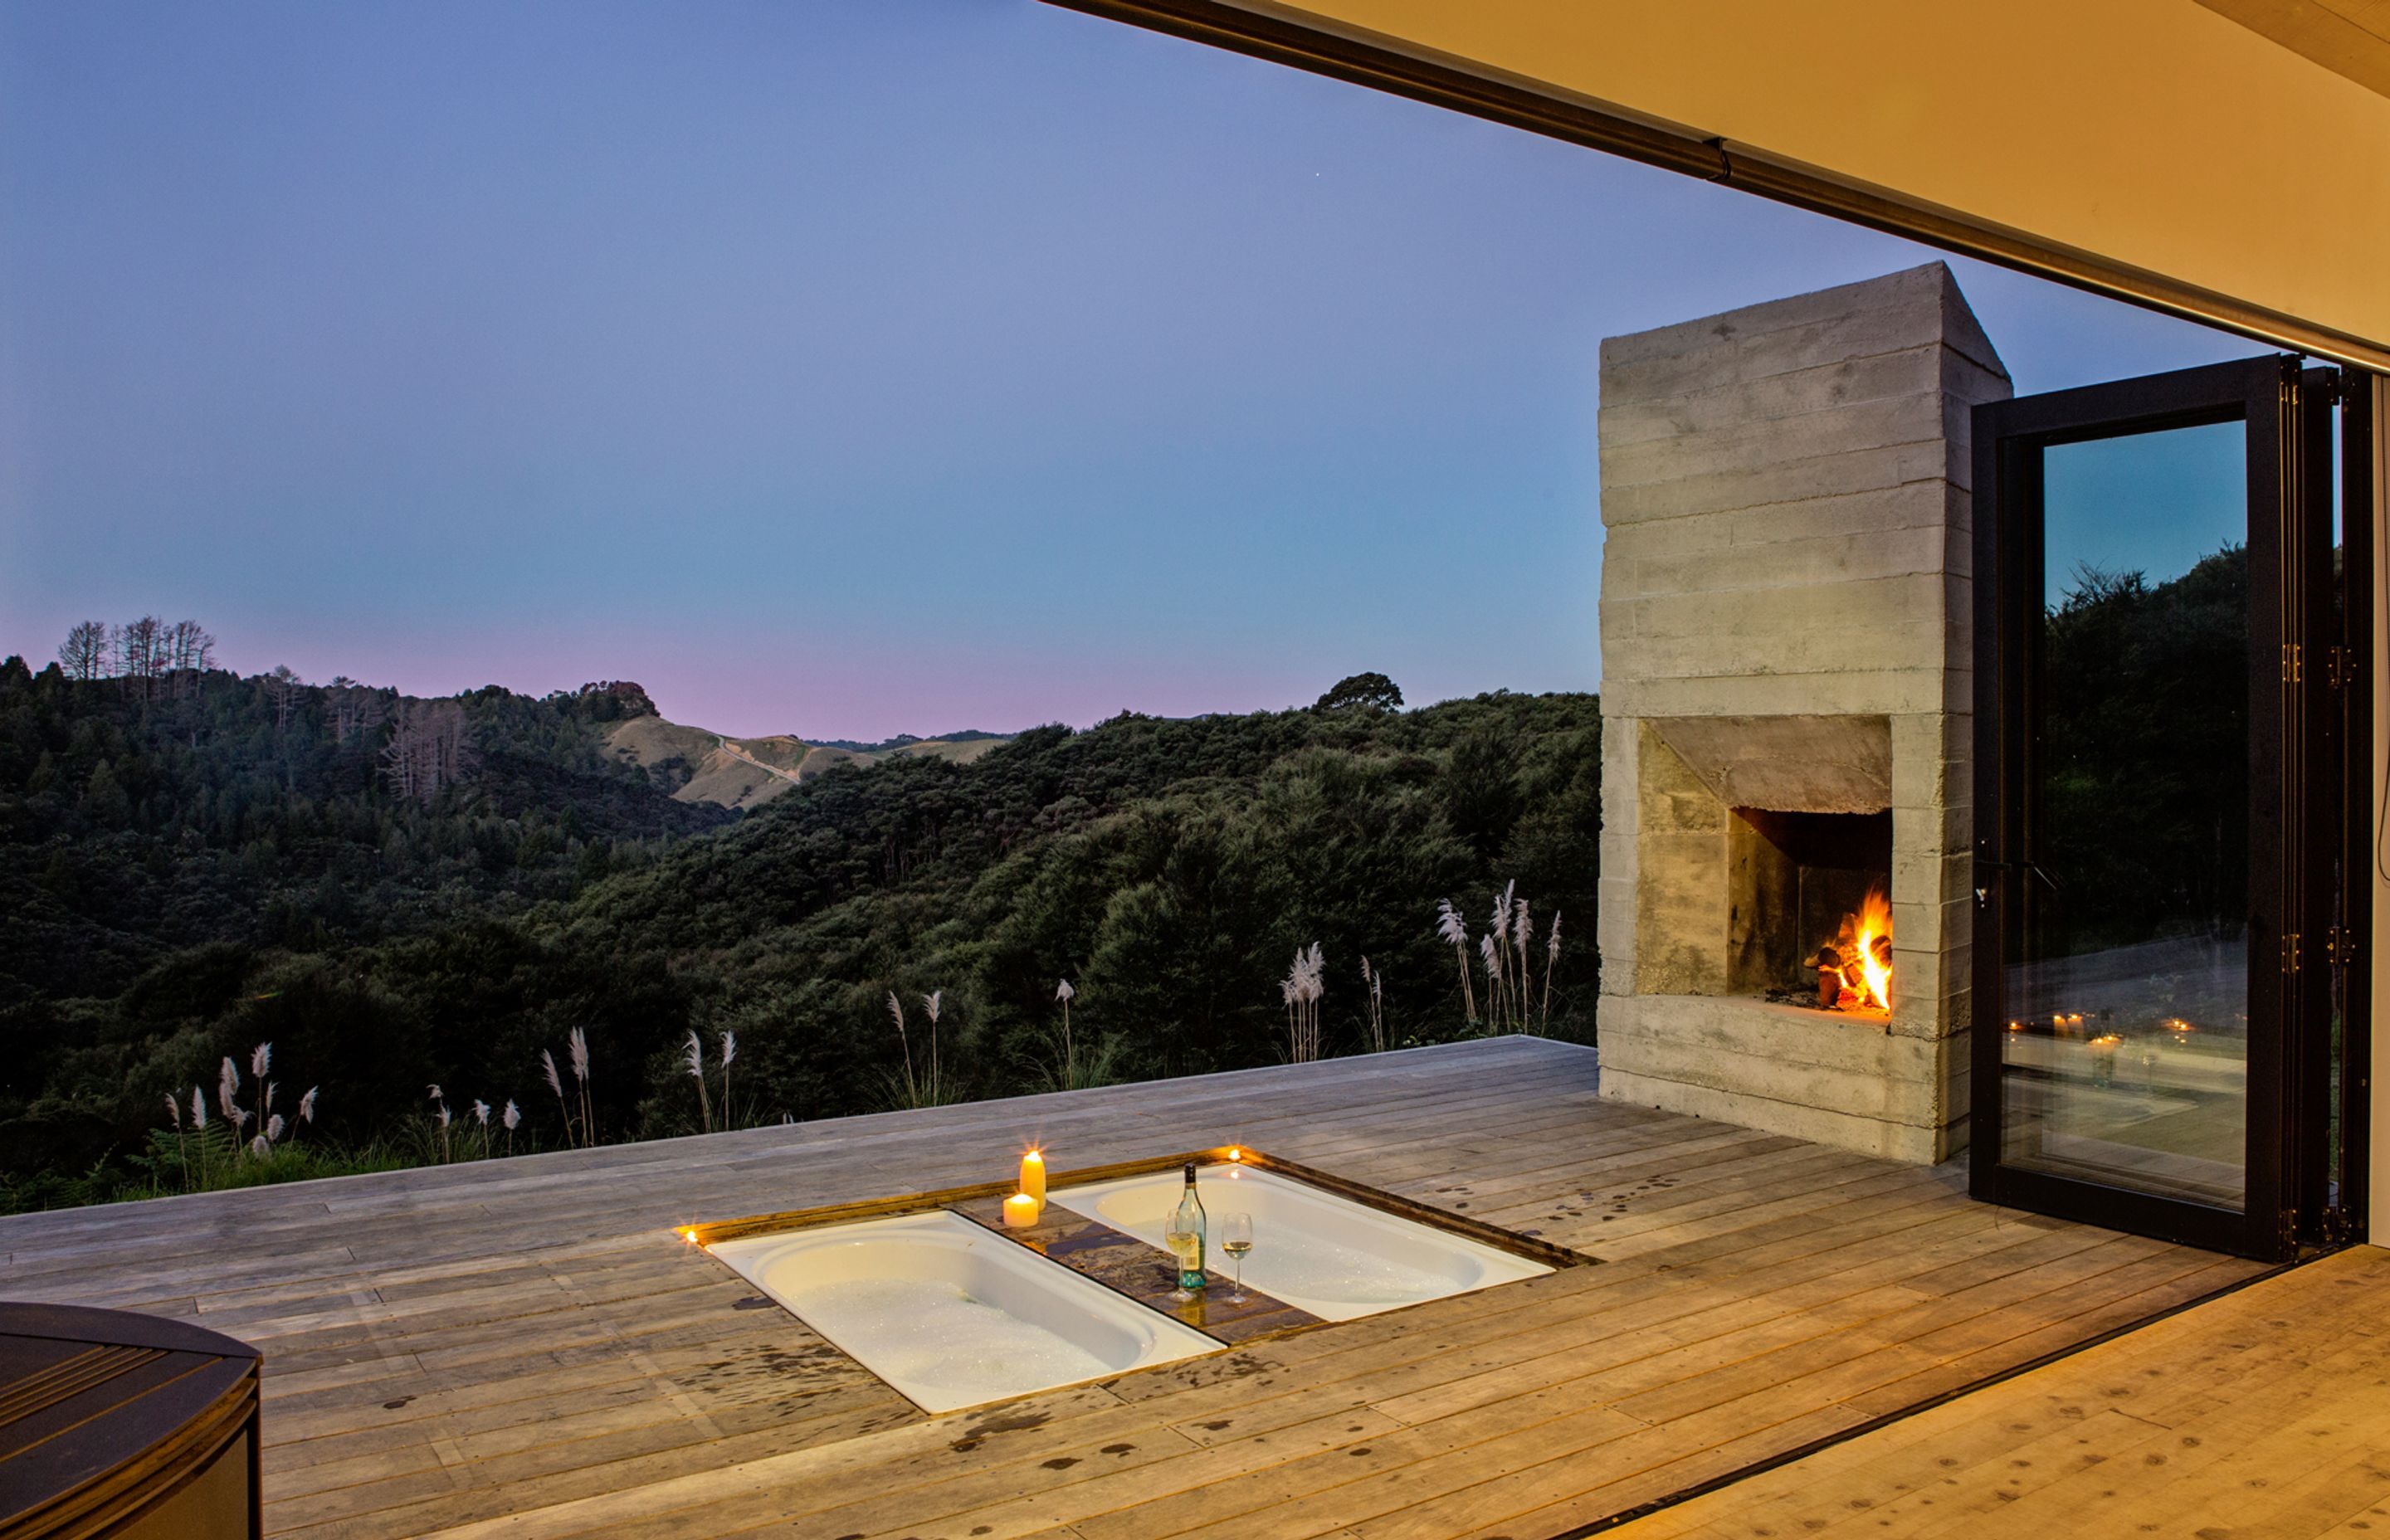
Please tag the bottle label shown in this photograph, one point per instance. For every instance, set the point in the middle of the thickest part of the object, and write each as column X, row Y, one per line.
column 1189, row 1251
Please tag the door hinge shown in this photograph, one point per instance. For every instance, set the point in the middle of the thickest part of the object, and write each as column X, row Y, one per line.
column 2333, row 1227
column 2340, row 946
column 2290, row 952
column 2340, row 666
column 2291, row 662
column 2290, row 1232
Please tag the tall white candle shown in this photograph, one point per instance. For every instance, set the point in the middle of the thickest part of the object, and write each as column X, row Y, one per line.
column 1033, row 1177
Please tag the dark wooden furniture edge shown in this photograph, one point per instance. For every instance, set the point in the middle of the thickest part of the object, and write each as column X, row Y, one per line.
column 212, row 1390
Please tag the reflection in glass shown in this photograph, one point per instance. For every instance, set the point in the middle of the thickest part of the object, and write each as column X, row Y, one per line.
column 2125, row 1053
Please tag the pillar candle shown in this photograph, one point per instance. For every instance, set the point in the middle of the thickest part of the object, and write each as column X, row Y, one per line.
column 1033, row 1177
column 1020, row 1211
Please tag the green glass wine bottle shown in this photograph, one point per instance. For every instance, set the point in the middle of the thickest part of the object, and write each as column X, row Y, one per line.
column 1186, row 1237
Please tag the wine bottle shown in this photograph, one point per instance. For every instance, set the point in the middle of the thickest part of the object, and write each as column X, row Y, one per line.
column 1186, row 1236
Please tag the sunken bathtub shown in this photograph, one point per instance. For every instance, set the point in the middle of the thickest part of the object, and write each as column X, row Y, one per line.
column 1312, row 1249
column 953, row 1315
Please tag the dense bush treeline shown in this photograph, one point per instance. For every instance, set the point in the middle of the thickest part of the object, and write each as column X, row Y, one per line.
column 183, row 878
column 2145, row 796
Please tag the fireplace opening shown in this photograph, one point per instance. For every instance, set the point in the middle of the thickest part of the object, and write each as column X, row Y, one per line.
column 1809, row 918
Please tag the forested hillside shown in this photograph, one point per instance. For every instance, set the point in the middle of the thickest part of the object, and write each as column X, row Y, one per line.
column 187, row 873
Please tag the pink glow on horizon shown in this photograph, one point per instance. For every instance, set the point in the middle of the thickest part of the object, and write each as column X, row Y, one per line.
column 852, row 691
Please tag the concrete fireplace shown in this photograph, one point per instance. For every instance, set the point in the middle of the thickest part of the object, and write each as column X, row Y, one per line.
column 1787, row 702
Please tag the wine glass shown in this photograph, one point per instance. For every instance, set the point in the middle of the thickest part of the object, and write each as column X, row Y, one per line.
column 1236, row 1238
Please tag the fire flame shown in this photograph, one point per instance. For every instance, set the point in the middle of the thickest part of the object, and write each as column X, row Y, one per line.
column 1875, row 919
column 1863, row 949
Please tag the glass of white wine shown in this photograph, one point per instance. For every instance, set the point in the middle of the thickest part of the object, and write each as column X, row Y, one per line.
column 1236, row 1238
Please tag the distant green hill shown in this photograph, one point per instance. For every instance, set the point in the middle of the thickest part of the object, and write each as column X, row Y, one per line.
column 910, row 740
column 697, row 766
column 182, row 879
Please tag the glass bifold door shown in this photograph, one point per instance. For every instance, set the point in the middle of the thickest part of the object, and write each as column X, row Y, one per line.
column 2171, row 804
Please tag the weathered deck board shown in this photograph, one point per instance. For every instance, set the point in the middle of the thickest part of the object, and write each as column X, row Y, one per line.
column 2260, row 1414
column 524, row 1347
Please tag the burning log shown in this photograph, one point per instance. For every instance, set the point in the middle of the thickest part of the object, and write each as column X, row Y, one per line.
column 1855, row 968
column 1829, row 964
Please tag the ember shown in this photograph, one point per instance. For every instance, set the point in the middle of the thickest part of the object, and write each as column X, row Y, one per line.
column 1855, row 968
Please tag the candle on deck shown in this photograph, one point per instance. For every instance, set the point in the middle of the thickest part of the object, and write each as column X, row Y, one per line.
column 1020, row 1211
column 1033, row 1177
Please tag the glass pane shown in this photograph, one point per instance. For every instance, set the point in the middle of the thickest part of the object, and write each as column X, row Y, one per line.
column 2125, row 1055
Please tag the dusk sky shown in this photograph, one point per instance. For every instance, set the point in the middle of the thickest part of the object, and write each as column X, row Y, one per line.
column 842, row 367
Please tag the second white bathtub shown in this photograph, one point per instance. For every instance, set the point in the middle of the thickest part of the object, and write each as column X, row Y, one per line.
column 1312, row 1250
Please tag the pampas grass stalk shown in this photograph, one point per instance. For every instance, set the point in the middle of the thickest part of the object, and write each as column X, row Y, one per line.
column 199, row 1125
column 1499, row 931
column 932, row 1004
column 555, row 1083
column 577, row 1042
column 1551, row 963
column 1454, row 931
column 182, row 1150
column 1319, row 988
column 260, row 1059
column 1304, row 983
column 1064, row 992
column 729, row 1052
column 511, row 1117
column 904, row 1040
column 1491, row 956
column 441, row 1102
column 693, row 1055
column 1523, row 931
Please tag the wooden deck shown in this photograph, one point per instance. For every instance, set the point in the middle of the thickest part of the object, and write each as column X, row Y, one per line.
column 525, row 1347
column 2256, row 1416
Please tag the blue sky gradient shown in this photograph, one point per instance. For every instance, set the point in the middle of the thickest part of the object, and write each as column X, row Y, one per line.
column 834, row 368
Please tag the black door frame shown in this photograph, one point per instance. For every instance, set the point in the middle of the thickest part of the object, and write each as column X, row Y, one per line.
column 2308, row 728
column 2342, row 1194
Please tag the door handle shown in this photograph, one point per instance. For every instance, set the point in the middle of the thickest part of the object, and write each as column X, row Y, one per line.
column 2031, row 868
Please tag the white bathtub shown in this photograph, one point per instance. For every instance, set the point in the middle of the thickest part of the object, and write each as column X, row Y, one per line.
column 953, row 1315
column 1313, row 1250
